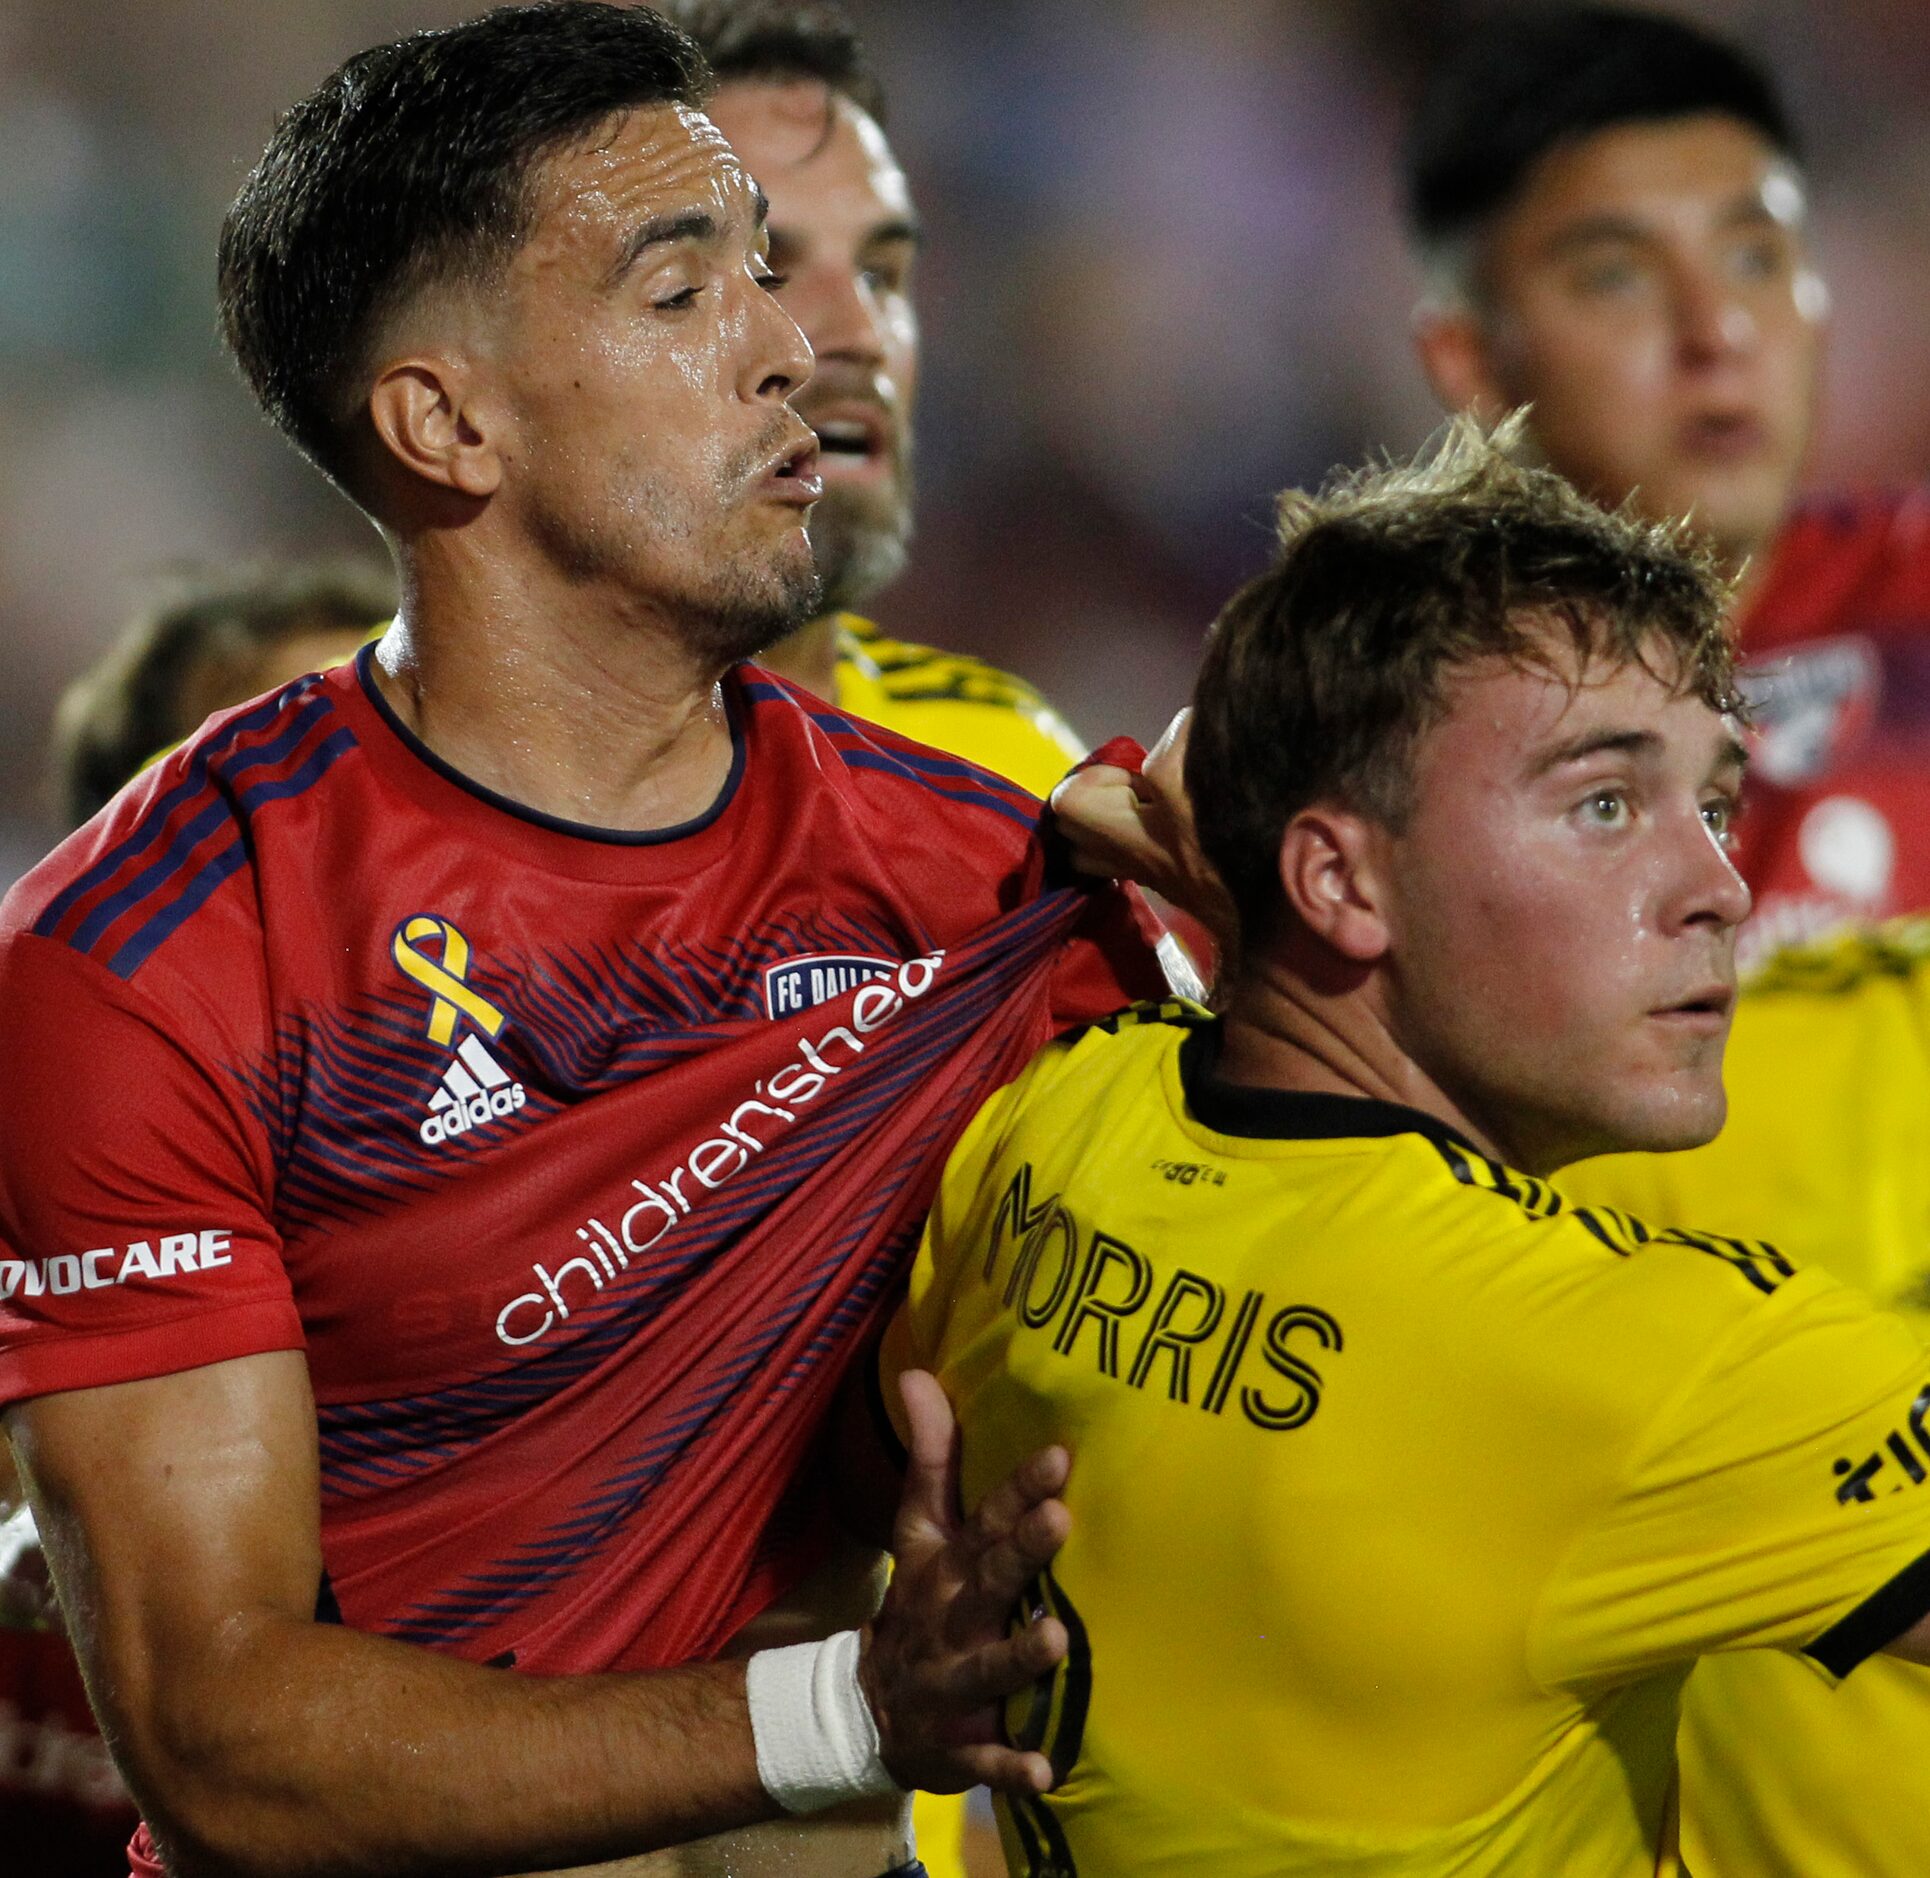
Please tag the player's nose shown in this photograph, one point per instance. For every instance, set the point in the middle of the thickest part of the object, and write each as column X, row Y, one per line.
column 1707, row 890
column 777, row 358
column 1712, row 322
column 844, row 319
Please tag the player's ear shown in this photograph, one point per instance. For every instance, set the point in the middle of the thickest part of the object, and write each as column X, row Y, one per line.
column 1456, row 354
column 428, row 418
column 1330, row 873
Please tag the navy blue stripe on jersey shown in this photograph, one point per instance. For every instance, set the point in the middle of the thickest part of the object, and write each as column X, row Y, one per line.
column 364, row 1443
column 343, row 1094
column 951, row 777
column 354, row 1434
column 164, row 892
column 140, row 946
column 870, row 757
column 154, row 823
column 488, row 1596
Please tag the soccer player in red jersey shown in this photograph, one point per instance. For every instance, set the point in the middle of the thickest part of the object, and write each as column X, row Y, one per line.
column 1611, row 208
column 465, row 1110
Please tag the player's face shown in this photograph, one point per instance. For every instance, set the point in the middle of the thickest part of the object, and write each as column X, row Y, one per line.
column 1650, row 294
column 843, row 239
column 643, row 365
column 1564, row 910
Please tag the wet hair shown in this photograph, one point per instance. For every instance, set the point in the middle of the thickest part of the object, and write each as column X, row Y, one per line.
column 1323, row 673
column 192, row 650
column 414, row 166
column 1528, row 80
column 775, row 40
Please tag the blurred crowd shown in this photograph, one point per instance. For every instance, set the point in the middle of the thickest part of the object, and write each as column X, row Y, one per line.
column 1164, row 278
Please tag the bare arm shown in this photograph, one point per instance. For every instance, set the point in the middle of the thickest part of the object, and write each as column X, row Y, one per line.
column 180, row 1515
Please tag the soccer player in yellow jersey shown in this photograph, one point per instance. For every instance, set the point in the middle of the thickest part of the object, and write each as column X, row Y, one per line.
column 1611, row 207
column 1404, row 1493
column 802, row 108
column 1827, row 1148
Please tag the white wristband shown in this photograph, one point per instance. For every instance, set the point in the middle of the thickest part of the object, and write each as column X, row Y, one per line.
column 816, row 1742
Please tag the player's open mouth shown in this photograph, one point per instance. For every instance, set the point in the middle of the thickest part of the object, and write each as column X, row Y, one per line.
column 855, row 439
column 793, row 476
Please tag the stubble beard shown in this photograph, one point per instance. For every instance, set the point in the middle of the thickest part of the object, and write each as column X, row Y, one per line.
column 734, row 607
column 862, row 538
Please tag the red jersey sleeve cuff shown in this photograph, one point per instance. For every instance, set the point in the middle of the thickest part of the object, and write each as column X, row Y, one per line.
column 53, row 1364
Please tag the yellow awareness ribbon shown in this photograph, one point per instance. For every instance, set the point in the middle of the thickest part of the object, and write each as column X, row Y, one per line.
column 444, row 978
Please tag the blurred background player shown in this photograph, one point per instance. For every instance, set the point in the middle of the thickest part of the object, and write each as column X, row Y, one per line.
column 1406, row 1494
column 1611, row 207
column 1612, row 212
column 802, row 107
column 223, row 638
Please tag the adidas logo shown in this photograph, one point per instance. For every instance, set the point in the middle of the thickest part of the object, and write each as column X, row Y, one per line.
column 475, row 1090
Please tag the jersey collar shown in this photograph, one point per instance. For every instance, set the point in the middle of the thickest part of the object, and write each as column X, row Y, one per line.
column 1232, row 1108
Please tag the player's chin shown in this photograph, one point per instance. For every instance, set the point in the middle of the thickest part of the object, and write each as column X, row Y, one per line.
column 1740, row 508
column 1674, row 1112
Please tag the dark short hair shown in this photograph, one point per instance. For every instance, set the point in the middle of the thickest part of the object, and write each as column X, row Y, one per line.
column 411, row 166
column 1323, row 672
column 192, row 649
column 781, row 39
column 1529, row 79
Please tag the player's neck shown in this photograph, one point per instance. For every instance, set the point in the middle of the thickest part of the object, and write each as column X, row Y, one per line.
column 809, row 657
column 566, row 705
column 1285, row 1029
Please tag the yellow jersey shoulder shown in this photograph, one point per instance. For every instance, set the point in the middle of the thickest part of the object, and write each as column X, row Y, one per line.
column 956, row 703
column 1444, row 1185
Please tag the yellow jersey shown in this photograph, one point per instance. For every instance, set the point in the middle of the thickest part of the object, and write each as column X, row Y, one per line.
column 966, row 708
column 956, row 703
column 1826, row 1150
column 1403, row 1494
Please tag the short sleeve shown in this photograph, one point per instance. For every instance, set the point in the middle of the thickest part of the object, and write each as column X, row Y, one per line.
column 1780, row 1498
column 135, row 1230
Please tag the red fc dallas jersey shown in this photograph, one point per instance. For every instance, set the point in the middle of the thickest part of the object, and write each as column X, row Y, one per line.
column 578, row 1163
column 1837, row 644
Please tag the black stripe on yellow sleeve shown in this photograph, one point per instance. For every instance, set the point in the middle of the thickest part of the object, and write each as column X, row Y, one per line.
column 1877, row 1622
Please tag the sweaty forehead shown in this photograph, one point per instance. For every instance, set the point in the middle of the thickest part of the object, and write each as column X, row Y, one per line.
column 649, row 162
column 1507, row 718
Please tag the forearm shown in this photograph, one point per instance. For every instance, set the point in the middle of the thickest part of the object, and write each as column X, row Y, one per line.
column 310, row 1749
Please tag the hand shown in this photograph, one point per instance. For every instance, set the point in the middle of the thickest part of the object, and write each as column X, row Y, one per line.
column 1138, row 825
column 937, row 1663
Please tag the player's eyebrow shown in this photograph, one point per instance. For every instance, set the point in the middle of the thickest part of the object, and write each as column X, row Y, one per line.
column 1636, row 743
column 899, row 228
column 681, row 225
column 1641, row 744
column 1592, row 230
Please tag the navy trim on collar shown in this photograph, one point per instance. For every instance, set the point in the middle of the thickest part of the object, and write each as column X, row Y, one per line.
column 556, row 824
column 1259, row 1114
